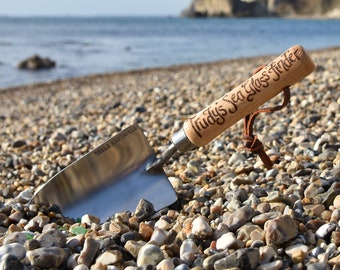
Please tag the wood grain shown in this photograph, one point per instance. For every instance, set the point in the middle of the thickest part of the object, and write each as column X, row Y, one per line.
column 289, row 68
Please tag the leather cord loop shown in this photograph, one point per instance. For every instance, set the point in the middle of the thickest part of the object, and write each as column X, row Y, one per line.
column 251, row 141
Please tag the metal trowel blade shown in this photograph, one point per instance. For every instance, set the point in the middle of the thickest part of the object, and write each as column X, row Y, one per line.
column 111, row 178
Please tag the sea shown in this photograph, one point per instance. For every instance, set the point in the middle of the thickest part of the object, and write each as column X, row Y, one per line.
column 91, row 45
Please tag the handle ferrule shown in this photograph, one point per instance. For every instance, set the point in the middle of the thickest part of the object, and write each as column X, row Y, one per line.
column 181, row 141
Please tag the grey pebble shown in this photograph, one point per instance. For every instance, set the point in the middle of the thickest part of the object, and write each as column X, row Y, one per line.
column 328, row 155
column 209, row 262
column 149, row 254
column 46, row 257
column 52, row 238
column 318, row 266
column 272, row 173
column 236, row 159
column 72, row 261
column 135, row 236
column 239, row 217
column 182, row 266
column 25, row 196
column 31, row 244
column 241, row 258
column 15, row 249
column 144, row 209
column 11, row 262
column 274, row 265
column 325, row 230
column 18, row 143
column 263, row 218
column 315, row 252
column 16, row 237
column 188, row 251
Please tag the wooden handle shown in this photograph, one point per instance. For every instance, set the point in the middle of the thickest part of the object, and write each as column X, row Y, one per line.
column 290, row 67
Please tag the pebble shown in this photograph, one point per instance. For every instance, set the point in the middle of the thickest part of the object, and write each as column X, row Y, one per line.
column 325, row 230
column 46, row 257
column 182, row 266
column 162, row 224
column 11, row 262
column 312, row 190
column 188, row 251
column 236, row 159
column 241, row 258
column 317, row 266
column 263, row 218
column 165, row 264
column 209, row 262
column 335, row 238
column 272, row 173
column 15, row 249
column 31, row 244
column 109, row 257
column 335, row 261
column 238, row 218
column 297, row 252
column 228, row 240
column 201, row 228
column 158, row 237
column 25, row 196
column 149, row 254
column 72, row 261
column 314, row 210
column 233, row 212
column 88, row 252
column 51, row 238
column 144, row 209
column 89, row 219
column 16, row 237
column 275, row 265
column 336, row 202
column 145, row 230
column 280, row 230
column 81, row 267
column 133, row 247
column 267, row 253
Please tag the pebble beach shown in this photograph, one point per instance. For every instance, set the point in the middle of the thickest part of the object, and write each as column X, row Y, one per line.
column 233, row 214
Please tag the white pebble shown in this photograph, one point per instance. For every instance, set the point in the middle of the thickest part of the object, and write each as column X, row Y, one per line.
column 201, row 228
column 275, row 265
column 226, row 241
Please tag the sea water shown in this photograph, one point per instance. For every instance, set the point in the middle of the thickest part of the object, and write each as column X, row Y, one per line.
column 86, row 45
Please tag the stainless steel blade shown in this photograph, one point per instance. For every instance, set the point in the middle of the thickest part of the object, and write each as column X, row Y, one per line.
column 110, row 179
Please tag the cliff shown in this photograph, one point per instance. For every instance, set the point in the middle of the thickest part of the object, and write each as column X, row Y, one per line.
column 263, row 8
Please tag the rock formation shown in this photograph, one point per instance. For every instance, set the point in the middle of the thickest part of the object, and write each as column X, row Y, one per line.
column 36, row 62
column 263, row 8
column 209, row 8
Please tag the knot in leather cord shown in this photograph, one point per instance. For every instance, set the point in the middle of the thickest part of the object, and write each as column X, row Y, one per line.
column 251, row 141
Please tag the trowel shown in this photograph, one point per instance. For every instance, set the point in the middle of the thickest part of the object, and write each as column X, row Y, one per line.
column 116, row 175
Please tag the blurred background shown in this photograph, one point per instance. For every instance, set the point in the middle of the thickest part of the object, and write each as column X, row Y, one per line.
column 78, row 38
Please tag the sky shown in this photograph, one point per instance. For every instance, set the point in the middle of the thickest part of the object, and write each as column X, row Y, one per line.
column 92, row 7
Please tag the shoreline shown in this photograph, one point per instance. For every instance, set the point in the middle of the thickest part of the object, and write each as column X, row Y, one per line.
column 79, row 79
